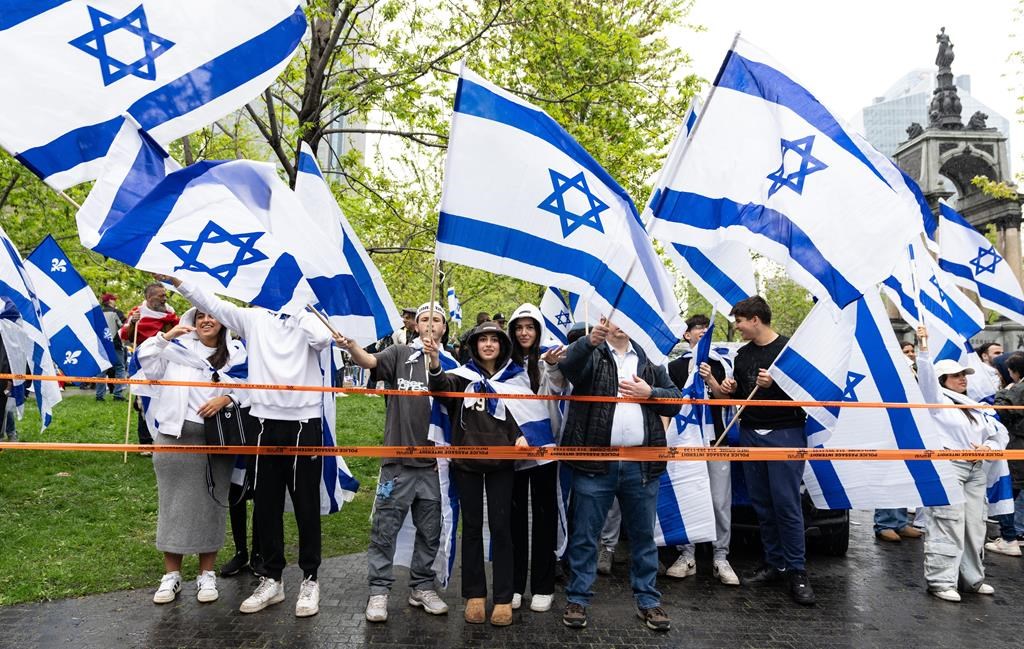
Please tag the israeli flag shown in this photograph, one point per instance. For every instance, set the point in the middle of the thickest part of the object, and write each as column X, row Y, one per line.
column 769, row 166
column 351, row 290
column 16, row 285
column 230, row 226
column 928, row 220
column 722, row 273
column 557, row 314
column 998, row 488
column 973, row 263
column 522, row 198
column 858, row 359
column 685, row 513
column 81, row 343
column 73, row 69
column 337, row 485
column 454, row 308
column 696, row 418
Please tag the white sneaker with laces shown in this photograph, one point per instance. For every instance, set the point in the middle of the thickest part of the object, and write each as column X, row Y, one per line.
column 541, row 603
column 1001, row 546
column 984, row 589
column 949, row 595
column 170, row 584
column 517, row 601
column 683, row 567
column 309, row 598
column 724, row 573
column 377, row 608
column 206, row 587
column 429, row 601
column 269, row 591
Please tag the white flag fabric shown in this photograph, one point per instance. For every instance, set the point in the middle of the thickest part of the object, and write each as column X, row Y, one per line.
column 81, row 343
column 337, row 484
column 352, row 292
column 685, row 513
column 859, row 360
column 16, row 285
column 973, row 263
column 73, row 69
column 769, row 166
column 557, row 315
column 522, row 198
column 722, row 273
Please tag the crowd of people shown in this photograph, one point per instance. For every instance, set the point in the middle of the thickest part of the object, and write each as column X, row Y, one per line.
column 516, row 501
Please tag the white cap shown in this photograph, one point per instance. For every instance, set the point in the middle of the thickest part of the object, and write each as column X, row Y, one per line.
column 437, row 309
column 949, row 366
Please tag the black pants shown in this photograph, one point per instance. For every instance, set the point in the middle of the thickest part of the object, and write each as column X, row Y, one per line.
column 499, row 518
column 144, row 435
column 536, row 486
column 300, row 476
column 239, row 515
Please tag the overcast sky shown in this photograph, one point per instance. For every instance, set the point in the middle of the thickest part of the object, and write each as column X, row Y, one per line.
column 848, row 53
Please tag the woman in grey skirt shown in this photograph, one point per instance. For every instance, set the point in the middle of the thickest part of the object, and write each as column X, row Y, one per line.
column 190, row 519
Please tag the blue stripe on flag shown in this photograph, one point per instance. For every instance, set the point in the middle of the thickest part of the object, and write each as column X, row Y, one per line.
column 308, row 165
column 369, row 290
column 1001, row 490
column 146, row 172
column 672, row 526
column 810, row 378
column 15, row 12
column 949, row 351
column 890, row 389
column 555, row 332
column 340, row 295
column 497, row 240
column 711, row 274
column 719, row 213
column 183, row 95
column 831, row 486
column 538, row 433
column 927, row 216
column 473, row 99
column 279, row 287
column 985, row 291
column 765, row 82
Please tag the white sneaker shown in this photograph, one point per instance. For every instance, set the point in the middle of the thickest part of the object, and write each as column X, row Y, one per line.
column 984, row 589
column 724, row 573
column 206, row 587
column 429, row 601
column 949, row 595
column 1000, row 546
column 170, row 584
column 377, row 608
column 309, row 598
column 683, row 567
column 517, row 601
column 541, row 603
column 269, row 591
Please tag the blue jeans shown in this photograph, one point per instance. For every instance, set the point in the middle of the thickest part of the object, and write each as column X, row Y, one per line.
column 1009, row 527
column 891, row 519
column 774, row 489
column 119, row 373
column 592, row 497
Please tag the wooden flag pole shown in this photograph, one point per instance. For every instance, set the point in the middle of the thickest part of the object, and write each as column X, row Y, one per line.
column 128, row 416
column 735, row 417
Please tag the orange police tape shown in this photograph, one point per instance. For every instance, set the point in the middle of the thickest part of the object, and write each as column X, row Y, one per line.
column 633, row 453
column 535, row 397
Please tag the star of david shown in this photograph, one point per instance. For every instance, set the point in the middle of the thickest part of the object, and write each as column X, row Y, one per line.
column 692, row 416
column 189, row 252
column 94, row 42
column 555, row 203
column 978, row 262
column 808, row 165
column 942, row 294
column 563, row 319
column 852, row 381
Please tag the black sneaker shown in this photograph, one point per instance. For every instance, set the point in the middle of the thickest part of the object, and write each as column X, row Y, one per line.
column 764, row 574
column 655, row 618
column 233, row 567
column 575, row 616
column 800, row 588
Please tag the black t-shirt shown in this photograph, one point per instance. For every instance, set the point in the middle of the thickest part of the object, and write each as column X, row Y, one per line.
column 749, row 359
column 679, row 372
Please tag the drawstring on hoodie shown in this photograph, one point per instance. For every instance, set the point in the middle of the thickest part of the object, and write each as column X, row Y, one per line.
column 295, row 462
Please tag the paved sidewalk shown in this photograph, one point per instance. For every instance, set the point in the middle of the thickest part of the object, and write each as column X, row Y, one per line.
column 874, row 597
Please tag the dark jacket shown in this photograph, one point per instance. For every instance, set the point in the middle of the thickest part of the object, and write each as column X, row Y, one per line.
column 1013, row 395
column 592, row 372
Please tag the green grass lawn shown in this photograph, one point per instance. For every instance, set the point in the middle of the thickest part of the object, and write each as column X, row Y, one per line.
column 79, row 523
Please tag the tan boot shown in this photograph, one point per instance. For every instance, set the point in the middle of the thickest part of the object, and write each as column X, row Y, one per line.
column 501, row 615
column 910, row 532
column 476, row 610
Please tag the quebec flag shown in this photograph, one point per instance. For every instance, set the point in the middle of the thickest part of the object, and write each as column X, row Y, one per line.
column 973, row 263
column 16, row 285
column 80, row 341
column 522, row 198
column 351, row 290
column 722, row 273
column 557, row 315
column 231, row 226
column 869, row 367
column 73, row 69
column 769, row 166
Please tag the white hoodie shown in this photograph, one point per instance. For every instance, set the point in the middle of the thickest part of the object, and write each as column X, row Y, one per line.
column 282, row 351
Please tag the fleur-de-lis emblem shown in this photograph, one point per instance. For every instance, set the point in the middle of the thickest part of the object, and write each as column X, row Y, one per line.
column 71, row 358
column 58, row 265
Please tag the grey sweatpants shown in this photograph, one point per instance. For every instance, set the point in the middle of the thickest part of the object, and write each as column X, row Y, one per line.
column 720, row 477
column 401, row 489
column 955, row 534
